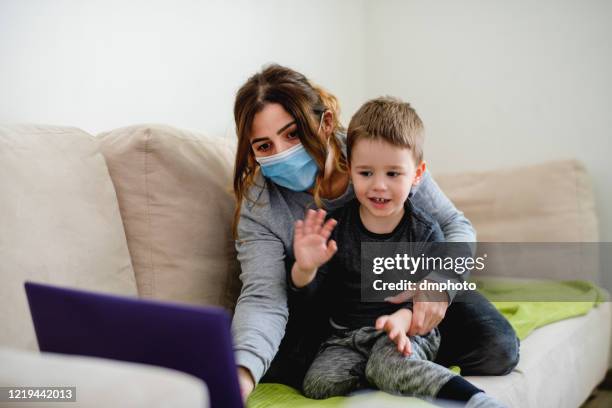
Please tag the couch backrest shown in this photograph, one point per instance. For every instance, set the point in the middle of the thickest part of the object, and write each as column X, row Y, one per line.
column 174, row 193
column 59, row 222
column 547, row 202
column 63, row 218
column 550, row 202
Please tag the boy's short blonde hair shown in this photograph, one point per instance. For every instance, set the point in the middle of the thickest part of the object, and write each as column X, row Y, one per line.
column 389, row 119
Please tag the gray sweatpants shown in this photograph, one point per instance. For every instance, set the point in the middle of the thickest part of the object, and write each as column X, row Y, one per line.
column 362, row 358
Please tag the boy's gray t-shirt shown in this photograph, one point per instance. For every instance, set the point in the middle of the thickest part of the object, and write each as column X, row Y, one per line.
column 265, row 240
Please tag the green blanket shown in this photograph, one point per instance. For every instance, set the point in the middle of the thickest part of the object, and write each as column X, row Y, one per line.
column 524, row 316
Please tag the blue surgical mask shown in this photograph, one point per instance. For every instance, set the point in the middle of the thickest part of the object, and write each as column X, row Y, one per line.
column 293, row 168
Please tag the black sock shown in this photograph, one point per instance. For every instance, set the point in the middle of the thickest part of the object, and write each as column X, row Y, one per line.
column 458, row 389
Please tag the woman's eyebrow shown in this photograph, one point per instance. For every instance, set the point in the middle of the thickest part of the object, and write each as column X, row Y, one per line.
column 281, row 130
column 259, row 139
column 278, row 132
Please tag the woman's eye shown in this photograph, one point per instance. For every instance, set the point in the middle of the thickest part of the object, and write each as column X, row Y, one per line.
column 292, row 135
column 263, row 147
column 365, row 173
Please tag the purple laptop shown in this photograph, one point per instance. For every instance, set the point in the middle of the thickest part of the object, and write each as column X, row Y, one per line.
column 192, row 339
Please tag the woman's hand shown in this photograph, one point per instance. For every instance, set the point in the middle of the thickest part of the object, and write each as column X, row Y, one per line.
column 246, row 382
column 427, row 309
column 426, row 315
column 311, row 247
column 396, row 325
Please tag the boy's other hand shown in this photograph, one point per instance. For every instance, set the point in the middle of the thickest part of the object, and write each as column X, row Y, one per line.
column 311, row 247
column 396, row 325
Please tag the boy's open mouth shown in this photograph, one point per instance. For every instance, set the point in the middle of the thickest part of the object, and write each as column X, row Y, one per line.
column 379, row 200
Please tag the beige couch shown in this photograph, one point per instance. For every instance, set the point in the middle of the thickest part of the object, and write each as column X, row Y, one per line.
column 146, row 211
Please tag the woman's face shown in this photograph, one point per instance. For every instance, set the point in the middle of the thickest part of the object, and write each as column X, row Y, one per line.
column 273, row 131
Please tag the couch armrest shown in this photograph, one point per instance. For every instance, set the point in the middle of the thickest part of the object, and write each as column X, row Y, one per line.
column 101, row 382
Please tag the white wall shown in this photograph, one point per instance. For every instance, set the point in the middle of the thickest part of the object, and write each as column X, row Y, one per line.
column 498, row 83
column 501, row 83
column 100, row 64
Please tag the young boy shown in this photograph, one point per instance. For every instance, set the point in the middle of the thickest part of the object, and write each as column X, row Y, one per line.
column 369, row 345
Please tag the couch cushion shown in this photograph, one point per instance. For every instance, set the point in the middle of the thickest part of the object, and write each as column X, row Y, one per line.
column 60, row 222
column 549, row 202
column 101, row 382
column 552, row 360
column 174, row 191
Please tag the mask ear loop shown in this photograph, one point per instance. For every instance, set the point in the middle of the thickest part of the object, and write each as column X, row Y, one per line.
column 321, row 124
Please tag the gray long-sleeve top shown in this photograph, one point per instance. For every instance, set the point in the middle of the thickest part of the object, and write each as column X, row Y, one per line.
column 265, row 238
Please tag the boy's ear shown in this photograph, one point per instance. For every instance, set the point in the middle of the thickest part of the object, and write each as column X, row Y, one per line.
column 420, row 170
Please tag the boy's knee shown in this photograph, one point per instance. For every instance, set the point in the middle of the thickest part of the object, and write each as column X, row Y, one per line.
column 378, row 375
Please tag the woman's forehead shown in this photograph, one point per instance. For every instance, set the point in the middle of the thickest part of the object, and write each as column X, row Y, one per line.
column 271, row 120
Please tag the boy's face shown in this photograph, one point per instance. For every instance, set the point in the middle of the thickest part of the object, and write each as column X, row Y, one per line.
column 382, row 175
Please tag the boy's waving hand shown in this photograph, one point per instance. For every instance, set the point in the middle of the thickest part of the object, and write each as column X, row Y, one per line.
column 311, row 247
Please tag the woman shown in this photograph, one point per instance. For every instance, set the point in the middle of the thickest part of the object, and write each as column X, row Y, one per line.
column 290, row 158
